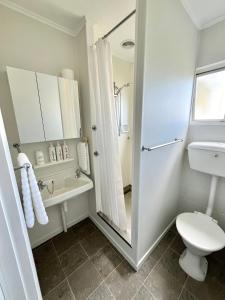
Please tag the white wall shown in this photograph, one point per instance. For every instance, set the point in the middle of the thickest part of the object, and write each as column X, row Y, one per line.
column 29, row 44
column 123, row 73
column 168, row 69
column 195, row 186
column 212, row 46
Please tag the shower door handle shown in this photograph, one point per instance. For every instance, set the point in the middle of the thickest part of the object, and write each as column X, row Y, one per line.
column 96, row 153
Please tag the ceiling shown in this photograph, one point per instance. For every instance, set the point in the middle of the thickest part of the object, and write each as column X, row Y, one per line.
column 68, row 16
column 205, row 13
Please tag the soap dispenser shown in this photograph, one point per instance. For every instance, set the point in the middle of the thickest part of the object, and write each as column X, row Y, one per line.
column 51, row 152
column 65, row 150
column 59, row 155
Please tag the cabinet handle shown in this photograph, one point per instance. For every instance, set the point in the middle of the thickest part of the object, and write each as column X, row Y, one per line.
column 94, row 127
column 96, row 153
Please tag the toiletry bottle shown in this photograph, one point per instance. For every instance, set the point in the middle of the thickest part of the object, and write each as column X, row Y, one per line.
column 59, row 155
column 65, row 150
column 51, row 152
column 39, row 157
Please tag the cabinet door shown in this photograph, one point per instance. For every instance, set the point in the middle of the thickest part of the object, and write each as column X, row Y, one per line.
column 50, row 106
column 24, row 92
column 70, row 107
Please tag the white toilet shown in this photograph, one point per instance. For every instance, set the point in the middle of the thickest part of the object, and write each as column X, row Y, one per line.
column 200, row 232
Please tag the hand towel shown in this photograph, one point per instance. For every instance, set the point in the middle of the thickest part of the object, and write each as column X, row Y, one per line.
column 38, row 204
column 27, row 200
column 32, row 200
column 83, row 157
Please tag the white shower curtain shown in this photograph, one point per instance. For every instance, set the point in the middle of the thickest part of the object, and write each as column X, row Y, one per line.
column 111, row 203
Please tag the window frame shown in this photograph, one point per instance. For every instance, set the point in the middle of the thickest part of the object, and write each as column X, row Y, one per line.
column 202, row 71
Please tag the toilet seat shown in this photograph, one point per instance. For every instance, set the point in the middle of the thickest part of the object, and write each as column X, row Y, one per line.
column 201, row 231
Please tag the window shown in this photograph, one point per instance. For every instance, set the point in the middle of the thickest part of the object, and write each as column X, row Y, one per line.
column 209, row 104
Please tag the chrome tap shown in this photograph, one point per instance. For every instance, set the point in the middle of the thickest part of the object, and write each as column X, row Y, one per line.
column 77, row 173
column 41, row 185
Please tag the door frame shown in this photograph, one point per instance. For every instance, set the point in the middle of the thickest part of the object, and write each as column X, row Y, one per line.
column 18, row 276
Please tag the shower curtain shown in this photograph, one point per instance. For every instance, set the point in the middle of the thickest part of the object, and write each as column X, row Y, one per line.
column 111, row 203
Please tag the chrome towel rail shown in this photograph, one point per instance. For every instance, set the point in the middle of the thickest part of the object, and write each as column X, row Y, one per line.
column 162, row 145
column 27, row 166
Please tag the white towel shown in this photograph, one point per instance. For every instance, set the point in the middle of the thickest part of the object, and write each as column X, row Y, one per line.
column 32, row 200
column 83, row 157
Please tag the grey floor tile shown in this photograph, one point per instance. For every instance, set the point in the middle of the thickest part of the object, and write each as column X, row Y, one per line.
column 84, row 280
column 178, row 245
column 61, row 292
column 106, row 260
column 124, row 282
column 49, row 270
column 50, row 275
column 147, row 267
column 170, row 261
column 64, row 241
column 219, row 255
column 44, row 253
column 210, row 289
column 72, row 259
column 166, row 280
column 101, row 293
column 186, row 295
column 163, row 245
column 216, row 270
column 83, row 229
column 173, row 227
column 94, row 243
column 162, row 285
column 143, row 294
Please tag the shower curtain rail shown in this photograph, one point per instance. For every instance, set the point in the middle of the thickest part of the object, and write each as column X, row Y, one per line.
column 162, row 145
column 119, row 24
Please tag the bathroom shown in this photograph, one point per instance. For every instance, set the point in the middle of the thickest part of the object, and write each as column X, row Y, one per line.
column 138, row 73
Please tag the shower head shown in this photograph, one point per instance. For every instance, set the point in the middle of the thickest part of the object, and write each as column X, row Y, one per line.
column 117, row 90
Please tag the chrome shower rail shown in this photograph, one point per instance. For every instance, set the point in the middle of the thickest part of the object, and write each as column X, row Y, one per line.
column 162, row 145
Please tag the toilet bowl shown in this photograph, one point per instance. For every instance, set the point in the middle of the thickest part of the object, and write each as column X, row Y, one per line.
column 201, row 235
column 200, row 232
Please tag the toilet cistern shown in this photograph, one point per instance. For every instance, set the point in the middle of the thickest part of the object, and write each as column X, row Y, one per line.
column 200, row 232
column 208, row 157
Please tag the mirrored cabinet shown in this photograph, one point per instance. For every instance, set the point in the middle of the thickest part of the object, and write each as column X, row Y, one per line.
column 46, row 107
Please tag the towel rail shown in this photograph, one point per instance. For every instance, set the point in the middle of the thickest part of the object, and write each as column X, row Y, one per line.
column 17, row 146
column 27, row 166
column 162, row 145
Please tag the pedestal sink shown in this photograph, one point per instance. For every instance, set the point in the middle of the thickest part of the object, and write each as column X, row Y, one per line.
column 70, row 188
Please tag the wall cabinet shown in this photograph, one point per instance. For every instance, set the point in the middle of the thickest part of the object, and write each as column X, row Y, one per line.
column 46, row 107
column 26, row 104
column 50, row 106
column 70, row 107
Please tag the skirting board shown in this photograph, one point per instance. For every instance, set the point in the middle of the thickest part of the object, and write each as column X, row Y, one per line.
column 57, row 231
column 145, row 256
column 115, row 244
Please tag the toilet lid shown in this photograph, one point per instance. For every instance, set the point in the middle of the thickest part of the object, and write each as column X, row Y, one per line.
column 200, row 231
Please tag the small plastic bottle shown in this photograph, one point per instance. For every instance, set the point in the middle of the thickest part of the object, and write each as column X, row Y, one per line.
column 58, row 151
column 65, row 150
column 39, row 157
column 51, row 152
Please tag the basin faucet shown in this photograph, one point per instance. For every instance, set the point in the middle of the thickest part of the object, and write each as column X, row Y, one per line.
column 41, row 185
column 77, row 173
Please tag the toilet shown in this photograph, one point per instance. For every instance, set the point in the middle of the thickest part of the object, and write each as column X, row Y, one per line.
column 201, row 233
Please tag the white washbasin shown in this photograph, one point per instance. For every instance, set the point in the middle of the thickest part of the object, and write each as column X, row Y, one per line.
column 71, row 187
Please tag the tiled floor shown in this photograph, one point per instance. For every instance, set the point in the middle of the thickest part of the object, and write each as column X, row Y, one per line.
column 81, row 264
